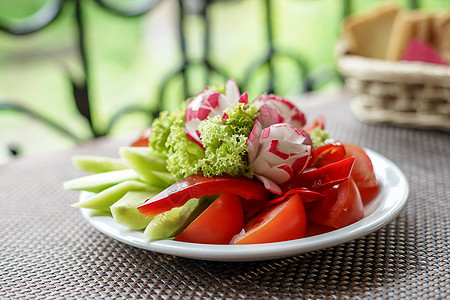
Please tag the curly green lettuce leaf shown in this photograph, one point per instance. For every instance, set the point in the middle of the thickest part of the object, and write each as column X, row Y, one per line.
column 318, row 137
column 224, row 142
column 161, row 129
column 183, row 155
column 225, row 151
column 241, row 118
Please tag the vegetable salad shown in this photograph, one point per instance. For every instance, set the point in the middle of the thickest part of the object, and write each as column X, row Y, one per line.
column 227, row 170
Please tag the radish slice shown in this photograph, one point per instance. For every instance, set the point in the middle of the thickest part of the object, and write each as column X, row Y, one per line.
column 232, row 93
column 285, row 111
column 270, row 185
column 253, row 142
column 209, row 104
column 283, row 151
column 268, row 115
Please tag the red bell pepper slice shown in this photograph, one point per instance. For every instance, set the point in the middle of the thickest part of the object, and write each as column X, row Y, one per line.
column 327, row 154
column 305, row 194
column 196, row 186
column 322, row 178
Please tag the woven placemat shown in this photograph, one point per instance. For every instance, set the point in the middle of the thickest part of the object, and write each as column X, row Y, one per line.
column 47, row 250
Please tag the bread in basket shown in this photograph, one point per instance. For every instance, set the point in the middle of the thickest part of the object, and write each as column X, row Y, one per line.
column 386, row 88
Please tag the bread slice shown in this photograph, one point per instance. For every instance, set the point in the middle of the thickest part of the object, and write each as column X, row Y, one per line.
column 409, row 25
column 368, row 34
column 441, row 38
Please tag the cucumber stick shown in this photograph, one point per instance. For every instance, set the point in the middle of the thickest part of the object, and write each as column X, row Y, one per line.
column 98, row 164
column 150, row 166
column 111, row 195
column 168, row 224
column 125, row 210
column 98, row 182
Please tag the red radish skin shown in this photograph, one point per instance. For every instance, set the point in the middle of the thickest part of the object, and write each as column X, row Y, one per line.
column 284, row 108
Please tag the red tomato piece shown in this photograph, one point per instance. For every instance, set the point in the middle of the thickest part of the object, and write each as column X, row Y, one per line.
column 281, row 222
column 362, row 173
column 368, row 193
column 313, row 229
column 327, row 154
column 252, row 207
column 196, row 186
column 217, row 224
column 342, row 206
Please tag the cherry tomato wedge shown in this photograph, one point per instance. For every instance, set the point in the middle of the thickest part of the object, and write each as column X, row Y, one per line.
column 342, row 207
column 313, row 229
column 322, row 178
column 251, row 207
column 196, row 186
column 362, row 173
column 281, row 222
column 217, row 224
column 368, row 193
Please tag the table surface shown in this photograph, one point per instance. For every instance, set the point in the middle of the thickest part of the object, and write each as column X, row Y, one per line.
column 47, row 249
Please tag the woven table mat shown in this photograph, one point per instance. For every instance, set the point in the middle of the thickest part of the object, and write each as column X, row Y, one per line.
column 47, row 249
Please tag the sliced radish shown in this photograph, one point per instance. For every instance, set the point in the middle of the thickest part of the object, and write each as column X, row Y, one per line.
column 253, row 142
column 285, row 110
column 270, row 185
column 283, row 151
column 268, row 115
column 210, row 103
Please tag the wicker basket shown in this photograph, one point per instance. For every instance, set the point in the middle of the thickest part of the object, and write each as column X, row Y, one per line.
column 410, row 94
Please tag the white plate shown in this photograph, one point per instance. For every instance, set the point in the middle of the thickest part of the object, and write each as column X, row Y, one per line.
column 388, row 204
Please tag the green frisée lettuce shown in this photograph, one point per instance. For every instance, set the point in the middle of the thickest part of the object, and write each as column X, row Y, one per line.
column 223, row 149
column 318, row 137
column 161, row 129
column 183, row 155
column 241, row 118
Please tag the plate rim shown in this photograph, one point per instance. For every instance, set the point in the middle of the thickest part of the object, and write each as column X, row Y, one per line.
column 259, row 252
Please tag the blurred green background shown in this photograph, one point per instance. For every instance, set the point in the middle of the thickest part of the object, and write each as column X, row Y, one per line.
column 129, row 58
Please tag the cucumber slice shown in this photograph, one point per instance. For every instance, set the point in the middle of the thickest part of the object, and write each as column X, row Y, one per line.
column 111, row 195
column 145, row 156
column 98, row 164
column 144, row 162
column 125, row 210
column 168, row 224
column 98, row 182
